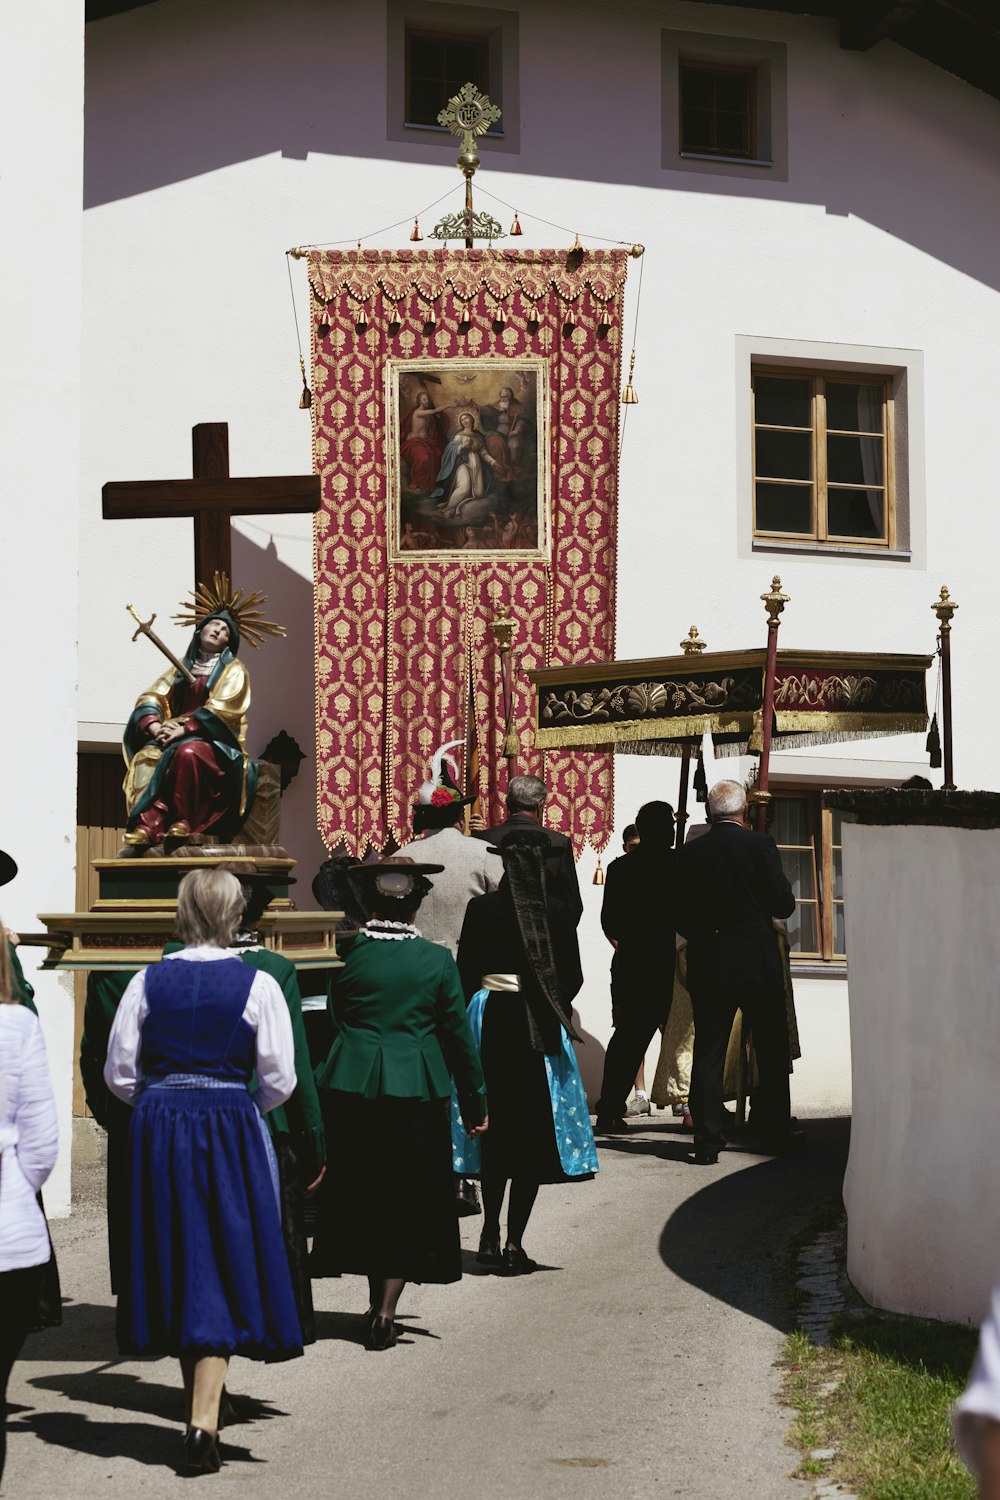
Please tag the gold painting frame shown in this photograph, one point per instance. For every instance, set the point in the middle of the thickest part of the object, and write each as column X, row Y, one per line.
column 488, row 455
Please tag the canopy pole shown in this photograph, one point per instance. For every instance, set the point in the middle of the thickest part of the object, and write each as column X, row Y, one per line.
column 691, row 645
column 774, row 602
column 944, row 608
column 682, row 796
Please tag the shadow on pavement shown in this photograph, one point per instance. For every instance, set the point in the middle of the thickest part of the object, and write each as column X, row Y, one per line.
column 141, row 1441
column 730, row 1237
column 108, row 1387
column 87, row 1332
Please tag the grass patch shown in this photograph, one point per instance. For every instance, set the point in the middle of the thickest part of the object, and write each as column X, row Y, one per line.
column 881, row 1395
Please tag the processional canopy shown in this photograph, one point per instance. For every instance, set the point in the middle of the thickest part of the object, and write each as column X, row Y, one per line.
column 661, row 705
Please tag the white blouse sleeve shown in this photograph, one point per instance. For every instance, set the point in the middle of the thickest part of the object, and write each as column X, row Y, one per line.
column 267, row 1013
column 980, row 1403
column 123, row 1068
column 37, row 1130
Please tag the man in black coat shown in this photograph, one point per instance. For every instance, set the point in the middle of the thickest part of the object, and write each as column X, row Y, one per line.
column 639, row 916
column 731, row 887
column 525, row 805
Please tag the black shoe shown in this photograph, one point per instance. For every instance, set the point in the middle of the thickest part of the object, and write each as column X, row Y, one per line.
column 788, row 1140
column 228, row 1411
column 611, row 1127
column 381, row 1333
column 201, row 1451
column 467, row 1198
column 488, row 1253
column 706, row 1156
column 516, row 1263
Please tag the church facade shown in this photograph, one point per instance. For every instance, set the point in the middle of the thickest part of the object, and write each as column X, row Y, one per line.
column 816, row 357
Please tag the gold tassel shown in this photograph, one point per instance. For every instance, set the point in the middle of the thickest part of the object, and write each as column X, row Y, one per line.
column 499, row 316
column 362, row 320
column 511, row 745
column 305, row 400
column 325, row 320
column 599, row 872
column 416, row 233
column 574, row 256
column 515, row 228
column 933, row 746
column 629, row 397
column 569, row 319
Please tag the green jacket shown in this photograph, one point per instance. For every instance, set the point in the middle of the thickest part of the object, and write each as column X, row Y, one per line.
column 403, row 1028
column 298, row 1117
column 23, row 992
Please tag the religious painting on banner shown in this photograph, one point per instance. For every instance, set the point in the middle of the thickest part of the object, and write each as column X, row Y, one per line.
column 509, row 359
column 468, row 456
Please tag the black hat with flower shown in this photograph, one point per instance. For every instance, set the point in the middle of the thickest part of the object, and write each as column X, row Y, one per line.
column 439, row 801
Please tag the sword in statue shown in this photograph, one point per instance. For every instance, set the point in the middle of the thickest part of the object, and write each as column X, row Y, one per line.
column 145, row 628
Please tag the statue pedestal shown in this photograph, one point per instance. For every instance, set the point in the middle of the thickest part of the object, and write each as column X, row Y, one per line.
column 135, row 911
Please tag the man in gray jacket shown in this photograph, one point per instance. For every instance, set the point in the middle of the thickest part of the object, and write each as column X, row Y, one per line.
column 469, row 868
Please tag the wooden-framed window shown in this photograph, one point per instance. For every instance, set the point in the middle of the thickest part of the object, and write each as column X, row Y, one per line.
column 718, row 109
column 808, row 838
column 437, row 64
column 823, row 451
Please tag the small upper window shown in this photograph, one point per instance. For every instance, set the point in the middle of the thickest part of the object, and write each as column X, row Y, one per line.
column 823, row 458
column 437, row 64
column 718, row 110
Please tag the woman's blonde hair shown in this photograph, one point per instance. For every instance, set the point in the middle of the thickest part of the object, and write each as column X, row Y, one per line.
column 210, row 904
column 7, row 996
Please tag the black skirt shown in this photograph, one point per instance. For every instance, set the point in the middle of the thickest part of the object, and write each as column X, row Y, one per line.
column 521, row 1140
column 387, row 1205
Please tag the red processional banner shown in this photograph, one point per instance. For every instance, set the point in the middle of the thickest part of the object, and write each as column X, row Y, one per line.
column 465, row 425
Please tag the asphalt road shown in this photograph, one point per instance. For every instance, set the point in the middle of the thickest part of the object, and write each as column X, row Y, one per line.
column 639, row 1360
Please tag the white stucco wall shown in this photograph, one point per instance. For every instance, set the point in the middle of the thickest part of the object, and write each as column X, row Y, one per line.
column 219, row 133
column 41, row 127
column 924, row 951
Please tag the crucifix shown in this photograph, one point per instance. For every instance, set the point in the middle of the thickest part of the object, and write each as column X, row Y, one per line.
column 212, row 498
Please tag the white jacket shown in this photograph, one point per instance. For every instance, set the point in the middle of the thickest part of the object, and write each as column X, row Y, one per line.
column 29, row 1138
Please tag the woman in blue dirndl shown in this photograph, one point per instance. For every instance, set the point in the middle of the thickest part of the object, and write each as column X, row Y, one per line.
column 207, row 1273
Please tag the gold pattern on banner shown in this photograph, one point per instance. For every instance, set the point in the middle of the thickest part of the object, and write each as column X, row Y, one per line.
column 402, row 648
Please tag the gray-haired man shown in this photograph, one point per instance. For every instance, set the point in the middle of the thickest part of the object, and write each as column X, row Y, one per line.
column 525, row 806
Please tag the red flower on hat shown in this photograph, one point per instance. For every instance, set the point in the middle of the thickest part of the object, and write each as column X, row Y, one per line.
column 442, row 795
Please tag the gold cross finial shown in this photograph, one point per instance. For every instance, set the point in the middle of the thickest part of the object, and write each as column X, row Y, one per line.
column 467, row 114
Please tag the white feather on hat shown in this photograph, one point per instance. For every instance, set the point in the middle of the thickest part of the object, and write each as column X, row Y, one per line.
column 427, row 790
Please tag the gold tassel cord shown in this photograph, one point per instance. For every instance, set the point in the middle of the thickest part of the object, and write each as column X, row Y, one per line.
column 305, row 400
column 629, row 397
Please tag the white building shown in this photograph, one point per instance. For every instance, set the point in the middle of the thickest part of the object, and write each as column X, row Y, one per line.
column 823, row 213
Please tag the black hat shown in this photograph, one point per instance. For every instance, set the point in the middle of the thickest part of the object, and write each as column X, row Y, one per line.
column 397, row 877
column 8, row 868
column 440, row 800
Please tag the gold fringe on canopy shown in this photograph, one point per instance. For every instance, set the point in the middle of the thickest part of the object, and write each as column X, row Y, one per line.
column 430, row 273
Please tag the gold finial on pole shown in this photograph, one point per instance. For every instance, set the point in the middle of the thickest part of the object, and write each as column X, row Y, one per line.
column 468, row 114
column 503, row 629
column 774, row 602
column 692, row 644
column 944, row 608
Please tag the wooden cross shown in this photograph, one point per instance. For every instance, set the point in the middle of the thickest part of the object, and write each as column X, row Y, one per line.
column 212, row 497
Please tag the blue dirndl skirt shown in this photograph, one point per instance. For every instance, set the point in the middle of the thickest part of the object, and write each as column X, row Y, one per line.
column 207, row 1267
